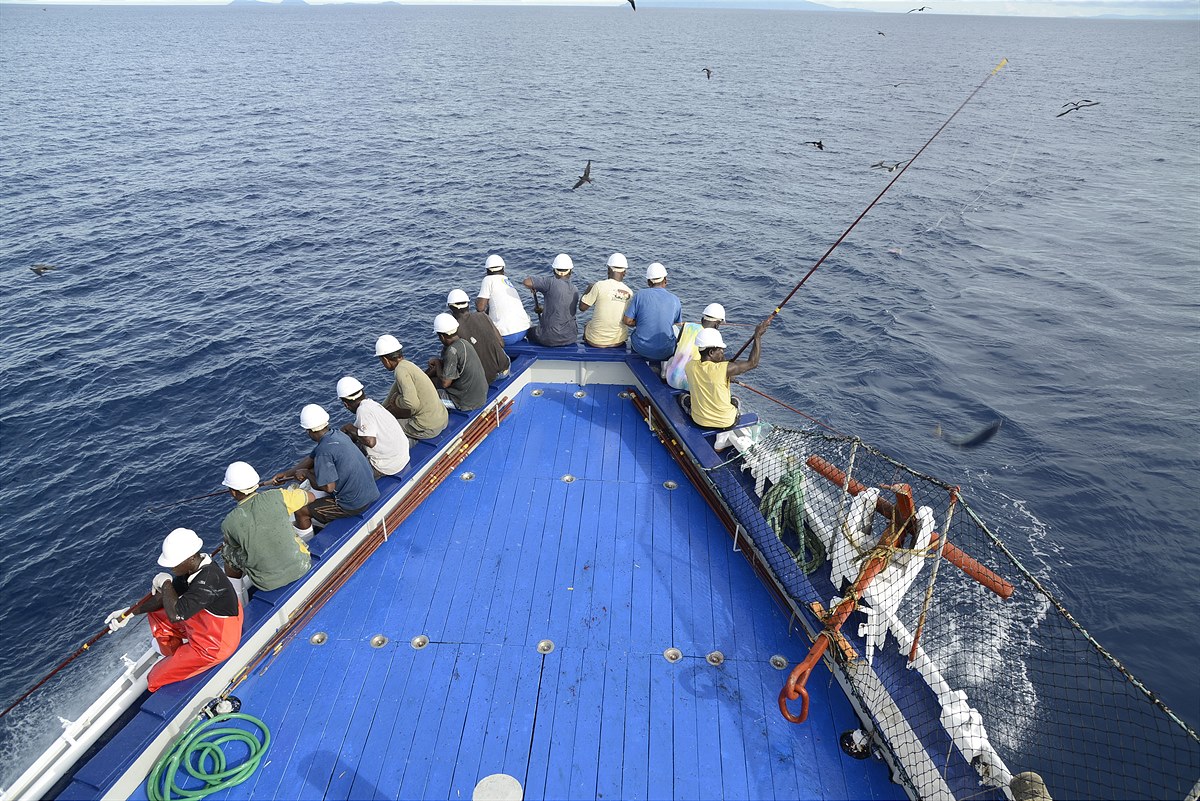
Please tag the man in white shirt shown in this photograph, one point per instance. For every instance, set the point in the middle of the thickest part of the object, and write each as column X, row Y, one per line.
column 374, row 429
column 500, row 299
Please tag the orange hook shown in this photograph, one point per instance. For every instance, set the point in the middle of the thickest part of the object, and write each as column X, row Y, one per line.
column 794, row 687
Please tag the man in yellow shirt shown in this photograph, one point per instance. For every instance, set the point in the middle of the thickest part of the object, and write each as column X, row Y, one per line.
column 710, row 403
column 610, row 297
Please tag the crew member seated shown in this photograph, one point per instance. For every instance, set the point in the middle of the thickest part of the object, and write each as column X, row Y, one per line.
column 710, row 404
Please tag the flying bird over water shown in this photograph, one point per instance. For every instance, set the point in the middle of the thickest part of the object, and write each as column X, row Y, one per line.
column 888, row 167
column 632, row 3
column 975, row 439
column 1075, row 105
column 42, row 269
column 818, row 145
column 707, row 72
column 586, row 178
column 881, row 33
column 922, row 8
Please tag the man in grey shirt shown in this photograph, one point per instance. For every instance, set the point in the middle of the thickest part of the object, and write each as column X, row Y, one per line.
column 557, row 325
column 459, row 371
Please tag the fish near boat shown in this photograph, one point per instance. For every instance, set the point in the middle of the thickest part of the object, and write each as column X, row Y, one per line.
column 574, row 592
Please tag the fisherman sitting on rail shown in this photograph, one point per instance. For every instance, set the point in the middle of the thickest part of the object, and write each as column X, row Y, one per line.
column 610, row 298
column 262, row 548
column 478, row 329
column 412, row 399
column 653, row 314
column 194, row 613
column 336, row 466
column 557, row 325
column 502, row 303
column 374, row 429
column 710, row 404
column 685, row 348
column 458, row 372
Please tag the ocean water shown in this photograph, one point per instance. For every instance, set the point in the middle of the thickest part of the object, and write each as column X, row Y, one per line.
column 240, row 200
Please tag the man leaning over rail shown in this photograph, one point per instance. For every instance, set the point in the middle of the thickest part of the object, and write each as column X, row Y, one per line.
column 194, row 613
column 710, row 403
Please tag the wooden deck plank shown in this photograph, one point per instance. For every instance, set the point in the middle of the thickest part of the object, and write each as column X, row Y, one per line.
column 687, row 675
column 574, row 689
column 753, row 729
column 491, row 696
column 547, row 700
column 585, row 757
column 432, row 709
column 549, row 597
column 508, row 614
column 730, row 712
column 358, row 725
column 503, row 546
column 664, row 534
column 591, row 609
column 639, row 721
column 624, row 574
column 661, row 778
column 377, row 749
column 642, row 569
column 405, row 716
column 517, row 751
column 613, row 715
column 468, row 685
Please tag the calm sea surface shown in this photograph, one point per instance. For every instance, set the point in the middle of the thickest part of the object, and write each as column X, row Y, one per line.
column 239, row 201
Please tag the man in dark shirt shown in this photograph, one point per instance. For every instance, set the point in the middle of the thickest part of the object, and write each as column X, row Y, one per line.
column 459, row 371
column 194, row 613
column 556, row 325
column 336, row 466
column 478, row 329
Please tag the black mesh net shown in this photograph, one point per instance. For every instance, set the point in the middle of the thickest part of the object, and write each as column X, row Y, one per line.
column 993, row 686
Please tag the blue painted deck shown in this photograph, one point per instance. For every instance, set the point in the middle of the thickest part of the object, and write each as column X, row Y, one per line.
column 614, row 569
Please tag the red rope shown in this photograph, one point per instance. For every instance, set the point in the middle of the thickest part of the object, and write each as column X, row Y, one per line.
column 791, row 408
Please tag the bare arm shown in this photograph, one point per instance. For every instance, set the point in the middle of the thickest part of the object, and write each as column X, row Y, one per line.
column 481, row 305
column 733, row 369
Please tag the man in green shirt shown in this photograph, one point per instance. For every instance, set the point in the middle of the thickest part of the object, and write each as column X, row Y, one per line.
column 412, row 399
column 261, row 545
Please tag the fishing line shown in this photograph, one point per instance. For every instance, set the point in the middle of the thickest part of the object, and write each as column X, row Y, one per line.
column 970, row 205
column 871, row 205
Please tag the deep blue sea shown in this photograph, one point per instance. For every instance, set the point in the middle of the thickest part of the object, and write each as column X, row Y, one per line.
column 240, row 200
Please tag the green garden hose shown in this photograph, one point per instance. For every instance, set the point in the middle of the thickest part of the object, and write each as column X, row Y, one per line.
column 199, row 752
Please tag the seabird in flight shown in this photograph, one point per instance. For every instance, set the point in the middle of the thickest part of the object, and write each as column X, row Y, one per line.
column 586, row 178
column 1076, row 105
column 881, row 33
column 818, row 145
column 888, row 167
column 911, row 10
column 707, row 72
column 42, row 269
column 632, row 3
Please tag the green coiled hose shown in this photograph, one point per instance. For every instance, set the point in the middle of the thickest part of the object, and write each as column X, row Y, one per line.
column 783, row 508
column 199, row 752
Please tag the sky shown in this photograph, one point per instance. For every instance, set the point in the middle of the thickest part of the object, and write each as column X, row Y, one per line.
column 1171, row 9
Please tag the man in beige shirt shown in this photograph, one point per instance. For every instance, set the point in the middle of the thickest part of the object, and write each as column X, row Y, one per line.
column 412, row 399
column 609, row 297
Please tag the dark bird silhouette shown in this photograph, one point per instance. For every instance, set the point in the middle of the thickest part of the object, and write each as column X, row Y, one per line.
column 922, row 8
column 1076, row 105
column 818, row 145
column 707, row 72
column 42, row 269
column 632, row 3
column 881, row 33
column 586, row 178
column 975, row 439
column 888, row 167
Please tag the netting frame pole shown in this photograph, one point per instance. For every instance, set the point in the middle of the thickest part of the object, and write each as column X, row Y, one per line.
column 912, row 652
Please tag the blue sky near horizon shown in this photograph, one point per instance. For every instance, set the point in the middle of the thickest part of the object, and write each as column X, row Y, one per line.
column 1165, row 9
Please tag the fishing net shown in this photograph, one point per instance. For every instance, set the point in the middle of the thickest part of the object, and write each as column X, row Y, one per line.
column 993, row 686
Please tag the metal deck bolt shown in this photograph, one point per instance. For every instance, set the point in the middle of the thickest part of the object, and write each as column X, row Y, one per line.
column 545, row 646
column 568, row 478
column 672, row 655
column 715, row 658
column 378, row 641
column 581, row 394
column 467, row 476
column 319, row 638
column 537, row 393
column 779, row 662
column 419, row 642
column 670, row 485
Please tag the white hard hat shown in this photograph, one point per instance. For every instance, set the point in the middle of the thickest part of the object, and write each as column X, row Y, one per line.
column 313, row 417
column 241, row 477
column 445, row 324
column 656, row 272
column 562, row 263
column 709, row 338
column 493, row 263
column 349, row 387
column 715, row 311
column 179, row 546
column 457, row 298
column 617, row 262
column 386, row 345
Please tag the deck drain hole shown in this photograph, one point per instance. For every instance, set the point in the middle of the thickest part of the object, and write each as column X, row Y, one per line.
column 498, row 787
column 670, row 485
column 419, row 642
column 779, row 662
column 545, row 646
column 319, row 638
column 537, row 393
column 581, row 394
column 568, row 478
column 715, row 658
column 467, row 476
column 624, row 395
column 672, row 655
column 378, row 641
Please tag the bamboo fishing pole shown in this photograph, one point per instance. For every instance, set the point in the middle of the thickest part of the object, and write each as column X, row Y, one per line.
column 871, row 205
column 270, row 481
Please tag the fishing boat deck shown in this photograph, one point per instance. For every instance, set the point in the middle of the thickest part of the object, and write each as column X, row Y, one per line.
column 614, row 568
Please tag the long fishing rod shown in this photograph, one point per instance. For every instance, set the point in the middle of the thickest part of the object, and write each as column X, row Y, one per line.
column 225, row 491
column 871, row 205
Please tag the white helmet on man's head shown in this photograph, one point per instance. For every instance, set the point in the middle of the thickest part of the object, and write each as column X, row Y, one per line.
column 313, row 417
column 386, row 345
column 242, row 477
column 617, row 261
column 562, row 263
column 445, row 324
column 179, row 546
column 349, row 387
column 493, row 263
column 709, row 338
column 715, row 311
column 656, row 271
column 457, row 299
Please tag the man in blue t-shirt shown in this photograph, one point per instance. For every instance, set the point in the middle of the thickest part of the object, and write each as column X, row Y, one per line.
column 653, row 314
column 336, row 466
column 557, row 325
